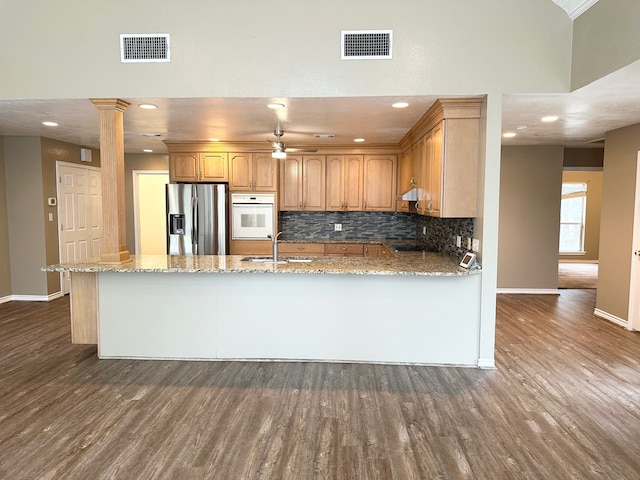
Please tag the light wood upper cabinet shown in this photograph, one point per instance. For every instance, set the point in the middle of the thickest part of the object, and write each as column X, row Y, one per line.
column 303, row 181
column 451, row 169
column 184, row 167
column 344, row 182
column 379, row 193
column 198, row 167
column 253, row 171
column 291, row 183
column 446, row 140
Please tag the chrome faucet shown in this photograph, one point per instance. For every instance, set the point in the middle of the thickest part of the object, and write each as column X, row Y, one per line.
column 275, row 245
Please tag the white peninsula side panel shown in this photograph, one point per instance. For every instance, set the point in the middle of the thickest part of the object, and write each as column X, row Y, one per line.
column 369, row 318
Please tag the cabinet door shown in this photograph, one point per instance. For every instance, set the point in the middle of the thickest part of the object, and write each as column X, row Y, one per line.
column 240, row 171
column 405, row 180
column 183, row 167
column 353, row 180
column 380, row 183
column 435, row 184
column 335, row 183
column 291, row 183
column 426, row 155
column 313, row 182
column 265, row 172
column 213, row 167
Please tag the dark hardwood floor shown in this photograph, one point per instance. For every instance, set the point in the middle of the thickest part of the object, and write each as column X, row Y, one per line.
column 564, row 403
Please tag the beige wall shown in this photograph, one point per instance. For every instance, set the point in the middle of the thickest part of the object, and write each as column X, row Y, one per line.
column 231, row 49
column 605, row 39
column 530, row 190
column 5, row 265
column 132, row 161
column 23, row 169
column 592, row 220
column 616, row 227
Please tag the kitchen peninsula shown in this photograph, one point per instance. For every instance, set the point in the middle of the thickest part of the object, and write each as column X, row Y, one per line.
column 413, row 307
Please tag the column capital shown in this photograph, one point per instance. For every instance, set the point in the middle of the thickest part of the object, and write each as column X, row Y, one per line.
column 110, row 104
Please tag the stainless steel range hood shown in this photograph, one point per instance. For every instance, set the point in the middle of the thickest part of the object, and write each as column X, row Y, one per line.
column 411, row 195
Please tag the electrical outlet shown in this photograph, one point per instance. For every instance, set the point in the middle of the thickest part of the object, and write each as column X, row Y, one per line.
column 468, row 243
column 337, row 227
column 459, row 241
column 476, row 245
column 424, row 230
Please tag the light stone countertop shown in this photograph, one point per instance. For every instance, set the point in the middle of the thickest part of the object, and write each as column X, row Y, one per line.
column 405, row 263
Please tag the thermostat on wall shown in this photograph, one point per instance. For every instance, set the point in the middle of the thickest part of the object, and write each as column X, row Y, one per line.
column 51, row 201
column 469, row 260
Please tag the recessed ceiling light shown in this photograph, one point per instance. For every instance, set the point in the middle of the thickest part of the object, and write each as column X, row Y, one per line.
column 151, row 134
column 549, row 118
column 509, row 134
column 148, row 106
column 400, row 105
column 50, row 124
column 214, row 139
column 522, row 127
column 324, row 135
column 358, row 140
column 147, row 150
column 275, row 106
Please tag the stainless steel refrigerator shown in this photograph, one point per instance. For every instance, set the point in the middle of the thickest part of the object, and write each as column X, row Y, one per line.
column 197, row 219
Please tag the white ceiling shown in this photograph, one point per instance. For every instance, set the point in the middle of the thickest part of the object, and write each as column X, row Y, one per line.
column 584, row 116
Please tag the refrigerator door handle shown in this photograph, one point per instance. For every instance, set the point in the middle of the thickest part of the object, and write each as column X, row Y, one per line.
column 194, row 227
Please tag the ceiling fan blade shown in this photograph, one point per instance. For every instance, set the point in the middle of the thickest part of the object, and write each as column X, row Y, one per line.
column 301, row 150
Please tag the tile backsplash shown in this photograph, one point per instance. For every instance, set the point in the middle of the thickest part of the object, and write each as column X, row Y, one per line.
column 440, row 232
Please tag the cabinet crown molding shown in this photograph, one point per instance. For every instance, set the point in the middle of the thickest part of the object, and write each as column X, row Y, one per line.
column 442, row 109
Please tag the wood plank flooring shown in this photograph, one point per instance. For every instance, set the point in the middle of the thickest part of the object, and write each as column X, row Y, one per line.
column 577, row 275
column 564, row 403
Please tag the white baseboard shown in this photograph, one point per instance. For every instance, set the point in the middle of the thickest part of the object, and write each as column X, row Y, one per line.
column 486, row 363
column 31, row 298
column 529, row 291
column 612, row 318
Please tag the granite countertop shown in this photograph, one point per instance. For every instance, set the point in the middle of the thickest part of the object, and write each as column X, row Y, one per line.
column 405, row 263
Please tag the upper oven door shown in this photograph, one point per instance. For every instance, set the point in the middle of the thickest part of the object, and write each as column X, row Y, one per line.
column 252, row 221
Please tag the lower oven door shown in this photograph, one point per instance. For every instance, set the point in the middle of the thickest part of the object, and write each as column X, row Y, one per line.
column 251, row 221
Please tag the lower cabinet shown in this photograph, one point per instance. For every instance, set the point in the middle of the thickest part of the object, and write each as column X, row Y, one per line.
column 306, row 249
column 344, row 249
column 376, row 251
column 301, row 249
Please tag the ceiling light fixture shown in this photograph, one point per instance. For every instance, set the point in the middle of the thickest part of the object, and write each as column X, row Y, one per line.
column 400, row 105
column 549, row 118
column 50, row 124
column 324, row 135
column 147, row 150
column 148, row 106
column 509, row 134
column 275, row 106
column 358, row 140
column 278, row 153
column 214, row 139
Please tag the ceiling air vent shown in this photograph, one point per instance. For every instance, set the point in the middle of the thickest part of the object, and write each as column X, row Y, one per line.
column 144, row 48
column 360, row 44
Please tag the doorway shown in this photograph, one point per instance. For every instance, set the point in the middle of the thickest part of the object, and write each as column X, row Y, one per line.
column 79, row 214
column 149, row 211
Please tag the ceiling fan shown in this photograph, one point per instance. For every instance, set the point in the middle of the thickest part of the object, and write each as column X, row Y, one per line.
column 280, row 149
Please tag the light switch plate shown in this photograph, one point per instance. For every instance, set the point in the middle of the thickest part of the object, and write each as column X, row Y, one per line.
column 337, row 227
column 475, row 245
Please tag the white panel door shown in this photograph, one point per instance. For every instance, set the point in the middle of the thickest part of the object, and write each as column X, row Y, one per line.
column 79, row 214
column 634, row 285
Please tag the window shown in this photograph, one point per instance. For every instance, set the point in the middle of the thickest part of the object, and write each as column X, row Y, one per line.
column 572, row 218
